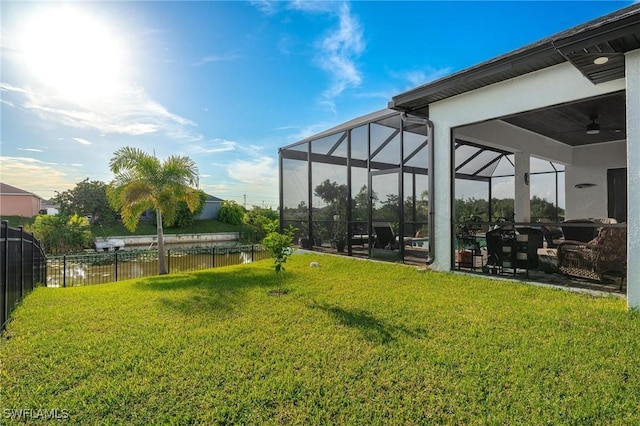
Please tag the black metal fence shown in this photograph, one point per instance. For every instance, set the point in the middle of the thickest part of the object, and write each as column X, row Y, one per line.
column 101, row 267
column 23, row 266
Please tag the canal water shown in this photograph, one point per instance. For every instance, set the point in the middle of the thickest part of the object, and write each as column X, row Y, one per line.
column 98, row 268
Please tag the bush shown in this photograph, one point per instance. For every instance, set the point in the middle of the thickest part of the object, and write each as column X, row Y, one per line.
column 231, row 213
column 257, row 220
column 61, row 234
column 186, row 217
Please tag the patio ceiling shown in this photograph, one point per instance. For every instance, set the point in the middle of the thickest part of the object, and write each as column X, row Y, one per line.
column 568, row 123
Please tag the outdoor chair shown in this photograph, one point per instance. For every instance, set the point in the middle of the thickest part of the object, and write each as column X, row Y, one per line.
column 550, row 232
column 573, row 232
column 605, row 254
column 384, row 235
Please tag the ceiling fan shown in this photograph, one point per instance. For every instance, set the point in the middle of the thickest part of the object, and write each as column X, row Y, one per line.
column 593, row 127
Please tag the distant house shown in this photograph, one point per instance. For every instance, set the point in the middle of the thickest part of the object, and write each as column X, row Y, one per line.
column 211, row 208
column 18, row 202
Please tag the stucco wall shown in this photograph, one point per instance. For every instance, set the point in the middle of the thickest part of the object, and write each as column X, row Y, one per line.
column 19, row 205
column 551, row 86
column 590, row 164
column 211, row 209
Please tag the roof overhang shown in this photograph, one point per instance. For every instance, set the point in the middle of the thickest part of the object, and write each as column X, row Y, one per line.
column 610, row 36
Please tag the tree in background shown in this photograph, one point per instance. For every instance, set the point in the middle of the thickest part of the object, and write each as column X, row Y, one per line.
column 503, row 209
column 231, row 213
column 186, row 217
column 61, row 234
column 143, row 182
column 258, row 219
column 87, row 198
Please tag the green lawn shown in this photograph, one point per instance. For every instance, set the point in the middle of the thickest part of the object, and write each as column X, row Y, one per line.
column 353, row 342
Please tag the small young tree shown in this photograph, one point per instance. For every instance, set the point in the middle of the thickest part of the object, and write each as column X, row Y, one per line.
column 279, row 245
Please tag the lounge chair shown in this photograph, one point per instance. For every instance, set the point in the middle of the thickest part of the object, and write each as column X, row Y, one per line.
column 604, row 254
column 384, row 235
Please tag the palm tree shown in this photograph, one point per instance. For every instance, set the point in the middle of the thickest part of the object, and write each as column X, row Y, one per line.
column 143, row 182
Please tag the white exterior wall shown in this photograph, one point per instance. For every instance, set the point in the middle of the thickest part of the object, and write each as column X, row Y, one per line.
column 590, row 164
column 551, row 86
column 632, row 60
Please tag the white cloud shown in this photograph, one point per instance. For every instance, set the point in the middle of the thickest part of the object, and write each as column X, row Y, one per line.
column 214, row 146
column 36, row 176
column 261, row 172
column 418, row 77
column 254, row 181
column 308, row 131
column 6, row 87
column 227, row 57
column 82, row 141
column 128, row 112
column 338, row 52
column 268, row 7
column 8, row 103
column 30, row 149
column 311, row 6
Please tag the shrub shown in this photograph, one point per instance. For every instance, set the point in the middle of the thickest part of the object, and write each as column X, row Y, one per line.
column 231, row 213
column 184, row 216
column 61, row 234
column 257, row 220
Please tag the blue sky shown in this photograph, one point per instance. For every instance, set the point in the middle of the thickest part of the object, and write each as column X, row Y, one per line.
column 227, row 83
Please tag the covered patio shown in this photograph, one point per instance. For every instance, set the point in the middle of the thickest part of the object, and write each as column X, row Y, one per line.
column 572, row 99
column 520, row 166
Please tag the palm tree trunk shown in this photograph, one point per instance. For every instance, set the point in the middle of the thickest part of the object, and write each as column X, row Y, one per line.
column 162, row 265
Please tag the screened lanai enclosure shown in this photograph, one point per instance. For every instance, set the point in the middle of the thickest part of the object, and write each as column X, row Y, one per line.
column 362, row 189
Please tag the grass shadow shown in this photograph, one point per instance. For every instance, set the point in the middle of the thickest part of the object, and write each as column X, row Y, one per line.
column 214, row 291
column 373, row 329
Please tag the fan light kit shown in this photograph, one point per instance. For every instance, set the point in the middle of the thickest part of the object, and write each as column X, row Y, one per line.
column 593, row 128
column 601, row 60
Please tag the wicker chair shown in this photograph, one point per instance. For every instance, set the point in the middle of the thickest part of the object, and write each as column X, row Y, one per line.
column 605, row 254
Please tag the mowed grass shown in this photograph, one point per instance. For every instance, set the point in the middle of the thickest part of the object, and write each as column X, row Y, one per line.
column 353, row 342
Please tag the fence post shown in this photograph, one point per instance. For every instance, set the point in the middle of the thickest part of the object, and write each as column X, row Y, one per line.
column 168, row 260
column 64, row 270
column 213, row 256
column 5, row 274
column 252, row 246
column 21, row 228
column 33, row 261
column 116, row 253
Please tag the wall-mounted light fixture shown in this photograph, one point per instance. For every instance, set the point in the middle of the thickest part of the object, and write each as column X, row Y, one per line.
column 584, row 185
column 526, row 179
